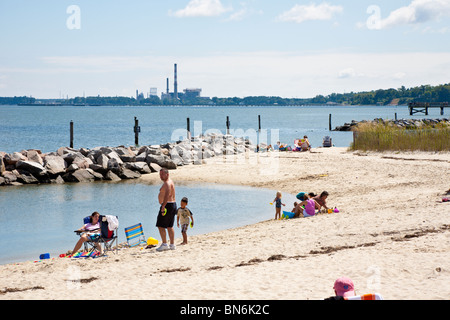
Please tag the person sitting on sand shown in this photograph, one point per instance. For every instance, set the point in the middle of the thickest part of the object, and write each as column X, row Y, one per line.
column 305, row 145
column 321, row 199
column 90, row 231
column 307, row 207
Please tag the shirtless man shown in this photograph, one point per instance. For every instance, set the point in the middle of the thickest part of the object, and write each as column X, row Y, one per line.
column 167, row 211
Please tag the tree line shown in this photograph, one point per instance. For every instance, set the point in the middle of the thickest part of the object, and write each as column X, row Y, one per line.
column 401, row 96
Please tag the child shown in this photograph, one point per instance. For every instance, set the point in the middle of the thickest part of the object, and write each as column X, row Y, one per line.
column 278, row 205
column 310, row 207
column 183, row 215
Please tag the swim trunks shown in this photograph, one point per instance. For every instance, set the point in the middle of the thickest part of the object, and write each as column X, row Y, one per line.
column 168, row 219
column 184, row 228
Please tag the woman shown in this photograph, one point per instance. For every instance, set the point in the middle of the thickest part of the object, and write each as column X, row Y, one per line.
column 305, row 145
column 90, row 231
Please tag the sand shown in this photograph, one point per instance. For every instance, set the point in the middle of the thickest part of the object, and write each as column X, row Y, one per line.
column 391, row 236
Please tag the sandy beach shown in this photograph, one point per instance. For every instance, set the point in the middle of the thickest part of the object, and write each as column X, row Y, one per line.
column 391, row 236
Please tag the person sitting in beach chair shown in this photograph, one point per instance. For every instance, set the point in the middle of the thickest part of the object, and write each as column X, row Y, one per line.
column 97, row 230
column 344, row 289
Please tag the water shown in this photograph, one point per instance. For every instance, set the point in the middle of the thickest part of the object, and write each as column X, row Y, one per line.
column 47, row 127
column 40, row 219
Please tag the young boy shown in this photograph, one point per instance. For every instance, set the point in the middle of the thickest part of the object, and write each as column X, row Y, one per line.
column 183, row 216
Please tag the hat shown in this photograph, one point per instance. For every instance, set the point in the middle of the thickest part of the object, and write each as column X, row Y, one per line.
column 344, row 287
column 185, row 199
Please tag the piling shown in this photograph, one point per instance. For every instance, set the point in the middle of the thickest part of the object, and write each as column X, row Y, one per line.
column 137, row 129
column 71, row 133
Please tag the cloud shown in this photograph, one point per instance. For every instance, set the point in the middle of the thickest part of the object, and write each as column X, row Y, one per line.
column 418, row 11
column 201, row 8
column 302, row 13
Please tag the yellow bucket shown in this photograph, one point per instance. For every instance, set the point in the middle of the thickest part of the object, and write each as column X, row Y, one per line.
column 152, row 241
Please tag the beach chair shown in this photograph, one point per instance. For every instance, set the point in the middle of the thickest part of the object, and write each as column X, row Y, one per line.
column 135, row 235
column 369, row 296
column 108, row 226
column 327, row 142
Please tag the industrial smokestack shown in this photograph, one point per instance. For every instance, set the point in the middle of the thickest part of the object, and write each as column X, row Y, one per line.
column 167, row 90
column 175, row 85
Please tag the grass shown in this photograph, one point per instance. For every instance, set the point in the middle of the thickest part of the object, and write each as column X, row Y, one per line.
column 388, row 137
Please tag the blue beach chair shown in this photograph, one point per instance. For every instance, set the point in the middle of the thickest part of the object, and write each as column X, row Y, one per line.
column 135, row 235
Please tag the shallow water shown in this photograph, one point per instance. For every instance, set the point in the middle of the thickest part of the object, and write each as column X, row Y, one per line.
column 41, row 218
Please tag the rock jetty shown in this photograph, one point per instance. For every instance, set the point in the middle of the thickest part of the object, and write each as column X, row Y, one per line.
column 401, row 123
column 113, row 163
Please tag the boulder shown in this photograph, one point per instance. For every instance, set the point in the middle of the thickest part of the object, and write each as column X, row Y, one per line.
column 13, row 158
column 81, row 175
column 2, row 165
column 102, row 160
column 33, row 167
column 57, row 180
column 129, row 174
column 26, row 178
column 55, row 164
column 35, row 156
column 111, row 176
column 154, row 167
column 9, row 177
column 141, row 167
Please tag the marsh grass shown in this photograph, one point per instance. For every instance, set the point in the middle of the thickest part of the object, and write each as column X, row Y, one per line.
column 388, row 137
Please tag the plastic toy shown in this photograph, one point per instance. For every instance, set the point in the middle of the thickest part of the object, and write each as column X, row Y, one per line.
column 152, row 241
column 165, row 211
column 336, row 210
column 44, row 256
column 330, row 211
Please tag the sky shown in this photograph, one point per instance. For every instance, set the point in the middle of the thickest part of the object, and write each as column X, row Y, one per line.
column 228, row 48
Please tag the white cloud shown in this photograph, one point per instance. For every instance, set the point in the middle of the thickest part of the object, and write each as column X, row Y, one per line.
column 418, row 11
column 302, row 13
column 201, row 8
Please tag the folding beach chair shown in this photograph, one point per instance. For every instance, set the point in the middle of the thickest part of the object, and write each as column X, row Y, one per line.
column 135, row 234
column 108, row 225
column 327, row 142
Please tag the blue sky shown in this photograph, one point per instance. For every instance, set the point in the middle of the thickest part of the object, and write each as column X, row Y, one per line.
column 228, row 48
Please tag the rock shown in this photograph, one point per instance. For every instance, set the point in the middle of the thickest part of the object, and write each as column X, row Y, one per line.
column 2, row 181
column 129, row 174
column 58, row 180
column 114, row 164
column 26, row 178
column 81, row 175
column 141, row 167
column 13, row 158
column 35, row 156
column 2, row 165
column 54, row 164
column 111, row 176
column 33, row 167
column 154, row 167
column 126, row 154
column 9, row 177
column 102, row 160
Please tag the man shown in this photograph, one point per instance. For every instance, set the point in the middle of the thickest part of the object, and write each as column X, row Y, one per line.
column 167, row 211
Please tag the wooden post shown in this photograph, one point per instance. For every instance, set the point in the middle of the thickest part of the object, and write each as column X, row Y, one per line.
column 396, row 116
column 228, row 125
column 71, row 133
column 442, row 110
column 329, row 122
column 259, row 123
column 137, row 129
column 188, row 129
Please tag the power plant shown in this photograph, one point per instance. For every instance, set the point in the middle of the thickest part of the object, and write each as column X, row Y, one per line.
column 176, row 96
